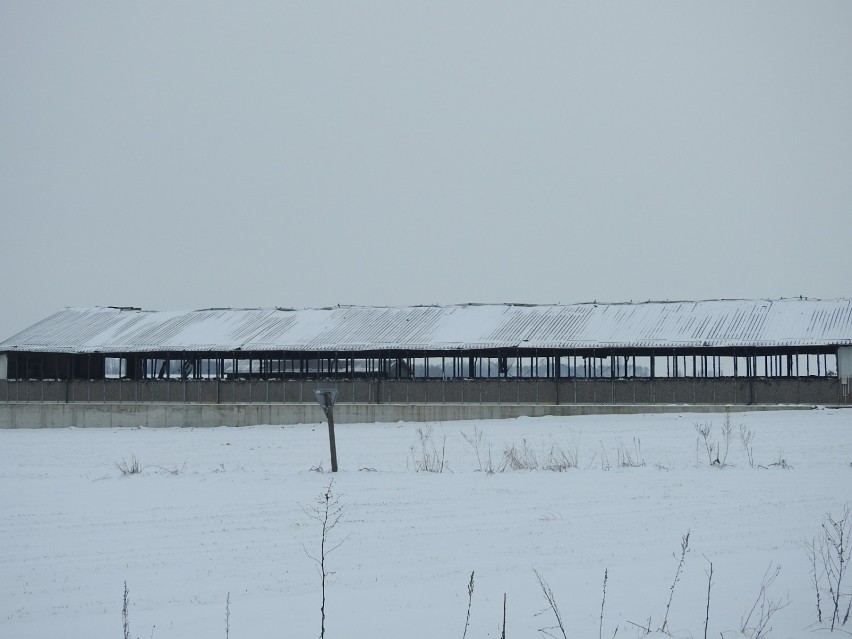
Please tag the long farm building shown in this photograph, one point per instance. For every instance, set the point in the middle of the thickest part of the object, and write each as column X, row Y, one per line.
column 109, row 366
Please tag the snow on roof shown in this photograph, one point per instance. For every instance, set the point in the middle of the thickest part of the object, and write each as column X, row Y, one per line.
column 717, row 323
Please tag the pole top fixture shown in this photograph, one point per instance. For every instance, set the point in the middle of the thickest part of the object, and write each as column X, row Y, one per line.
column 326, row 398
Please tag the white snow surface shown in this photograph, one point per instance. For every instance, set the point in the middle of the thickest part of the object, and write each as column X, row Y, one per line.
column 231, row 523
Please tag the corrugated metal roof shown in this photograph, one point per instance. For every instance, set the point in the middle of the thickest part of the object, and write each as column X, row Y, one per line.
column 720, row 323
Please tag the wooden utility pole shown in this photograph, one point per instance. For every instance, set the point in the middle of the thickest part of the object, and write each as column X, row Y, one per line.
column 326, row 398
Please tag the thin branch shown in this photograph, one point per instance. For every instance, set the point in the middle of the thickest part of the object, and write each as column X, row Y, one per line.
column 469, row 603
column 551, row 602
column 709, row 584
column 684, row 548
column 603, row 601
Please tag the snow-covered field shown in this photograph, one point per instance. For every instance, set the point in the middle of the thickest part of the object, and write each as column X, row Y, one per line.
column 218, row 513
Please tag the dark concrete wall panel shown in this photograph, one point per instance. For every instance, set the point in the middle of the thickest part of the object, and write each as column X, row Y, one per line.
column 689, row 390
column 725, row 391
column 275, row 390
column 643, row 391
column 242, row 391
column 471, row 392
column 208, row 392
column 452, row 392
column 622, row 391
column 435, row 392
column 565, row 391
column 54, row 391
column 257, row 391
column 362, row 391
column 345, row 391
column 684, row 391
column 705, row 390
column 293, row 392
column 527, row 391
column 490, row 392
column 394, row 392
column 769, row 391
column 508, row 391
column 143, row 391
column 585, row 391
column 742, row 390
column 546, row 389
column 418, row 390
column 665, row 390
column 111, row 390
column 159, row 391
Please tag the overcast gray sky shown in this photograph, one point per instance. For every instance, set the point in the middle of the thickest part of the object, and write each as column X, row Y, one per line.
column 179, row 155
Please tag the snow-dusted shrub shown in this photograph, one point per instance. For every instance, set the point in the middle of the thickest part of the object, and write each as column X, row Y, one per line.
column 521, row 457
column 425, row 454
column 830, row 553
column 628, row 458
column 132, row 467
column 525, row 457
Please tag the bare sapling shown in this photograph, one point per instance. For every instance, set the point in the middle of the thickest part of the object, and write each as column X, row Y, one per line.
column 830, row 554
column 228, row 616
column 684, row 548
column 727, row 438
column 554, row 608
column 125, row 619
column 485, row 463
column 755, row 623
column 475, row 442
column 503, row 634
column 469, row 604
column 327, row 511
column 817, row 574
column 704, row 441
column 746, row 438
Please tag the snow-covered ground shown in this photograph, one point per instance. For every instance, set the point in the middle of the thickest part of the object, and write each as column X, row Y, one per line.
column 219, row 513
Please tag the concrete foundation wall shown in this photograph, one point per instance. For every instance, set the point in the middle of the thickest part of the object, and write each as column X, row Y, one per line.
column 175, row 415
column 240, row 403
